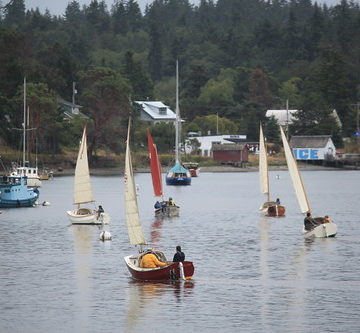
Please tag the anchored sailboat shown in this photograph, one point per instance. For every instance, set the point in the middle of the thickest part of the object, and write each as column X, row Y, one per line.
column 170, row 271
column 271, row 208
column 32, row 174
column 83, row 191
column 178, row 174
column 166, row 209
column 323, row 229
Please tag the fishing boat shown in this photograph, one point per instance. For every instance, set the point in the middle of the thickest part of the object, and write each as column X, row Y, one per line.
column 15, row 193
column 328, row 229
column 32, row 174
column 193, row 168
column 166, row 209
column 178, row 174
column 83, row 193
column 270, row 208
column 173, row 270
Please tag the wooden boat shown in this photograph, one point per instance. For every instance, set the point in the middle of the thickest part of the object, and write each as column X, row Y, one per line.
column 193, row 168
column 83, row 191
column 15, row 193
column 172, row 271
column 270, row 208
column 324, row 229
column 178, row 175
column 156, row 175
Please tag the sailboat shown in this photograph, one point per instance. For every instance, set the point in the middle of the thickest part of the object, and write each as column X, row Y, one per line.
column 270, row 208
column 83, row 191
column 173, row 270
column 178, row 174
column 32, row 174
column 156, row 175
column 328, row 229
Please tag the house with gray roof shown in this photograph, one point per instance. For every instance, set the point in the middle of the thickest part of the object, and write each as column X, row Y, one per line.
column 313, row 147
column 70, row 110
column 155, row 112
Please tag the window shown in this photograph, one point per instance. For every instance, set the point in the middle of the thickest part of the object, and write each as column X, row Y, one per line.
column 162, row 110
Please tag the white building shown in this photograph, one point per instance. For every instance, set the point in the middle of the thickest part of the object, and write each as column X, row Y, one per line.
column 313, row 147
column 155, row 112
column 283, row 117
column 206, row 142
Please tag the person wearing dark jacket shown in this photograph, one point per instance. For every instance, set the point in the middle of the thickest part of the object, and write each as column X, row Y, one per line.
column 309, row 222
column 179, row 256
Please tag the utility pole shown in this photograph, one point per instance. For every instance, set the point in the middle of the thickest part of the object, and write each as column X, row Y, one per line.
column 357, row 134
column 287, row 119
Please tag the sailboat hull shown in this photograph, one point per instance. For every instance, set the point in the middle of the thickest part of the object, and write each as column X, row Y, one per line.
column 87, row 216
column 170, row 272
column 324, row 230
column 275, row 211
column 178, row 181
column 168, row 211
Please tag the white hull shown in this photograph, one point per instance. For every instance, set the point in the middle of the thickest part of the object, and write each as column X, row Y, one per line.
column 91, row 217
column 322, row 231
column 33, row 182
column 168, row 211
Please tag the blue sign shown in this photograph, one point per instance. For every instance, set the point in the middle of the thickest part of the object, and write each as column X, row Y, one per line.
column 356, row 133
column 306, row 154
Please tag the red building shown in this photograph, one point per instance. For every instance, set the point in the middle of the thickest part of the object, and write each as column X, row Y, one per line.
column 235, row 154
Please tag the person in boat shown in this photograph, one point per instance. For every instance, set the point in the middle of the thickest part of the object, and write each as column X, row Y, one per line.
column 100, row 210
column 278, row 201
column 309, row 222
column 149, row 260
column 171, row 202
column 179, row 255
column 157, row 205
column 326, row 219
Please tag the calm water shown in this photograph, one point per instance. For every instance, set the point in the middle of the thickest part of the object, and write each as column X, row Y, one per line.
column 252, row 273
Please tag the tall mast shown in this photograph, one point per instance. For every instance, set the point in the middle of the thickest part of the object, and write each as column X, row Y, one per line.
column 177, row 114
column 24, row 124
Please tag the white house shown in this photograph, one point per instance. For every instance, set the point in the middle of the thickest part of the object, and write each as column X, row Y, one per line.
column 315, row 147
column 286, row 117
column 155, row 112
column 206, row 142
column 283, row 117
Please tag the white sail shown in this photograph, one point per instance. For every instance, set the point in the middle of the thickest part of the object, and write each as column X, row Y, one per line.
column 136, row 234
column 82, row 186
column 295, row 175
column 263, row 166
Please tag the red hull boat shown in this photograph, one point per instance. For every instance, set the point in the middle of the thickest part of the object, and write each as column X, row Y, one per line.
column 171, row 272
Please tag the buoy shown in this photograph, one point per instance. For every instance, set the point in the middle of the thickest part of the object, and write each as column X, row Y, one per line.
column 105, row 235
column 46, row 203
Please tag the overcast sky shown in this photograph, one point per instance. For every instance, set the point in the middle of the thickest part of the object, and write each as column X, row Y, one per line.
column 57, row 7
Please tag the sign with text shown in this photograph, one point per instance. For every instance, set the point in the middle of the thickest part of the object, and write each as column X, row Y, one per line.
column 306, row 154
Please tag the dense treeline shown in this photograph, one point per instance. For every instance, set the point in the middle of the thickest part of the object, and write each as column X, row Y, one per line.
column 237, row 58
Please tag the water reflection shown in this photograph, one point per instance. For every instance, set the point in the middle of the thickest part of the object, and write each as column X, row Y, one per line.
column 83, row 236
column 144, row 298
column 156, row 227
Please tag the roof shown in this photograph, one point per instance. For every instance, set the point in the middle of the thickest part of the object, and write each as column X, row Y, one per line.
column 309, row 141
column 282, row 116
column 228, row 147
column 152, row 109
column 178, row 168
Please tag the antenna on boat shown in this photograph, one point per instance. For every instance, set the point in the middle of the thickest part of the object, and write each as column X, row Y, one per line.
column 177, row 114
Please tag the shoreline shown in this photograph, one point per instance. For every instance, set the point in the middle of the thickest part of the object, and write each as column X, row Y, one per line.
column 204, row 169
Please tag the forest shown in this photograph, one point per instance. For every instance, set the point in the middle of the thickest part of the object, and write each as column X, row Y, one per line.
column 237, row 58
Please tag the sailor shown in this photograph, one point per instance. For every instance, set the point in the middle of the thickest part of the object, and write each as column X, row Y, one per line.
column 157, row 205
column 309, row 222
column 278, row 201
column 149, row 260
column 171, row 202
column 100, row 210
column 179, row 255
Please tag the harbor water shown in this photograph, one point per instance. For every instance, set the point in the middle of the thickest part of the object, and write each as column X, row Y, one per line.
column 252, row 273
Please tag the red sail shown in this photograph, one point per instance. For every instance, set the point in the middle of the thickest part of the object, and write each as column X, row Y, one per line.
column 154, row 166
